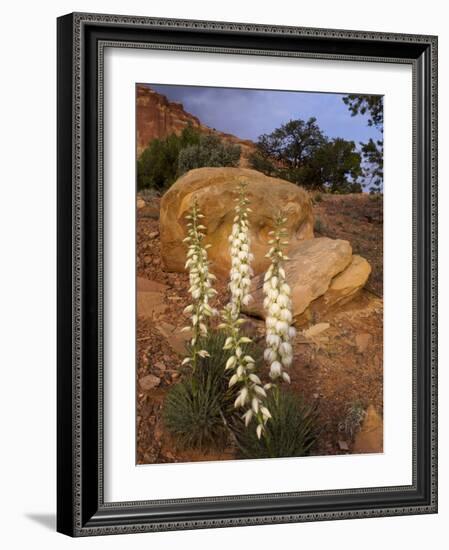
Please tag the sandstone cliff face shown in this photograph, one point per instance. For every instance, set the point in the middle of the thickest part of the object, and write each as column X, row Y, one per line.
column 157, row 117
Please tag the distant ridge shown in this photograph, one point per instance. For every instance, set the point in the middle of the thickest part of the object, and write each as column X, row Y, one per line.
column 157, row 117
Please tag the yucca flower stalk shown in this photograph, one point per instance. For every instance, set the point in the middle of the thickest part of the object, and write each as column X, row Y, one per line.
column 200, row 289
column 251, row 394
column 278, row 305
column 241, row 257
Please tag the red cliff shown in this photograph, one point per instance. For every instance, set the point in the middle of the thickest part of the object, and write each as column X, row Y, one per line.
column 157, row 117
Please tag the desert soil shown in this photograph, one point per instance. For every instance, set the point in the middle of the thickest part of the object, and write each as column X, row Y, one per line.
column 340, row 368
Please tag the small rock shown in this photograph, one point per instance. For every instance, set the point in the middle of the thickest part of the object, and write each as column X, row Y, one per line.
column 343, row 446
column 147, row 285
column 316, row 395
column 149, row 382
column 370, row 437
column 159, row 365
column 175, row 375
column 314, row 330
column 166, row 329
column 150, row 304
column 176, row 340
column 153, row 234
column 362, row 341
column 149, row 211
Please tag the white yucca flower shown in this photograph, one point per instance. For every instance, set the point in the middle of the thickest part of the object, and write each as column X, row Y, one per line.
column 278, row 306
column 200, row 285
column 241, row 257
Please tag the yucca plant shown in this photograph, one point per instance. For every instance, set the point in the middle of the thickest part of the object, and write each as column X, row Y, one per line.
column 193, row 413
column 290, row 432
column 251, row 392
column 199, row 410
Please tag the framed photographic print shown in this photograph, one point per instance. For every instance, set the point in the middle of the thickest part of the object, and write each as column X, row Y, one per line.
column 246, row 274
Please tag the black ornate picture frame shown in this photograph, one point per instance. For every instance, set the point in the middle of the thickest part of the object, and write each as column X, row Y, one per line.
column 81, row 509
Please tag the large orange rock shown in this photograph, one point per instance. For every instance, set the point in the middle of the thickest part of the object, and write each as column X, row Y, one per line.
column 342, row 288
column 215, row 191
column 309, row 272
column 348, row 282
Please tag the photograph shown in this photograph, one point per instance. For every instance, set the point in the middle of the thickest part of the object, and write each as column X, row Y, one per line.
column 259, row 273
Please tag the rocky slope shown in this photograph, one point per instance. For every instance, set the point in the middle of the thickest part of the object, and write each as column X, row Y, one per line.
column 337, row 362
column 157, row 117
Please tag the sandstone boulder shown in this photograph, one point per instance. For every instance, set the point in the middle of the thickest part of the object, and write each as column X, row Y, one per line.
column 342, row 288
column 309, row 271
column 349, row 281
column 215, row 191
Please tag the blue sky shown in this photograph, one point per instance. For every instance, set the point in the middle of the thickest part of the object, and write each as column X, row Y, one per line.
column 250, row 113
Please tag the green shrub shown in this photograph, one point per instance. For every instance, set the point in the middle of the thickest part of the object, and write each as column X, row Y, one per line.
column 210, row 151
column 164, row 160
column 355, row 414
column 318, row 225
column 290, row 432
column 262, row 164
column 157, row 165
column 199, row 410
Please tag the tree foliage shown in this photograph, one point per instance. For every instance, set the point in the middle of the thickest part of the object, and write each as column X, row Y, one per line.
column 164, row 160
column 300, row 152
column 372, row 150
column 372, row 105
column 294, row 143
column 338, row 166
